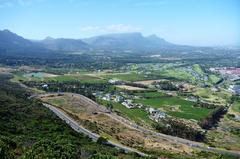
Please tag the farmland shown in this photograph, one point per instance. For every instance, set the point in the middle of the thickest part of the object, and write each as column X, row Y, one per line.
column 131, row 88
column 131, row 76
column 138, row 115
column 176, row 107
column 150, row 94
column 45, row 77
column 220, row 97
column 236, row 106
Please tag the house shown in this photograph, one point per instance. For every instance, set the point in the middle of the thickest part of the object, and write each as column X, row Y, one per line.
column 115, row 81
column 44, row 86
column 107, row 97
column 119, row 99
column 192, row 99
column 234, row 89
column 152, row 110
column 128, row 104
column 156, row 114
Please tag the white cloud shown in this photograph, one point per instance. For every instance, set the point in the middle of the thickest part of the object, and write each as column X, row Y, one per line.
column 113, row 28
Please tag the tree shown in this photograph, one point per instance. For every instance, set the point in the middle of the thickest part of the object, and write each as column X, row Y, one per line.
column 6, row 148
column 102, row 140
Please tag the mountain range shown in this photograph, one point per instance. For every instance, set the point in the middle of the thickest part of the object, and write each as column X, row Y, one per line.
column 123, row 41
column 11, row 43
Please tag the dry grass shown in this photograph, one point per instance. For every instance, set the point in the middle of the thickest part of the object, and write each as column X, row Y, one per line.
column 130, row 88
column 223, row 137
column 147, row 82
column 5, row 70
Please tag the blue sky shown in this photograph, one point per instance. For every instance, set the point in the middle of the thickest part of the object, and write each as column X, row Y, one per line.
column 192, row 22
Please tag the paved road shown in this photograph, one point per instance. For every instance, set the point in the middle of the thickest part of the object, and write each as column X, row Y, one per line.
column 142, row 129
column 90, row 134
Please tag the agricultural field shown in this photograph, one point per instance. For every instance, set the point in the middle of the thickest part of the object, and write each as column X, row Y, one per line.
column 131, row 76
column 41, row 76
column 193, row 74
column 214, row 78
column 150, row 94
column 217, row 97
column 177, row 73
column 138, row 115
column 174, row 106
column 130, row 88
column 147, row 82
column 236, row 106
column 197, row 68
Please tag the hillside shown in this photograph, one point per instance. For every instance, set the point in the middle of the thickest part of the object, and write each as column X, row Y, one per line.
column 65, row 45
column 28, row 130
column 13, row 44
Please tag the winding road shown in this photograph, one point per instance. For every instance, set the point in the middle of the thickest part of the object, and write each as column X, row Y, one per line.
column 130, row 124
column 81, row 129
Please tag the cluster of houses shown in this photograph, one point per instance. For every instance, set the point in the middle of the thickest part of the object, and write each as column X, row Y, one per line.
column 234, row 89
column 232, row 73
column 121, row 97
column 156, row 114
column 125, row 100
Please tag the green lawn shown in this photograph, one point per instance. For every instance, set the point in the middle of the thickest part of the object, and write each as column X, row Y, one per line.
column 215, row 97
column 150, row 94
column 61, row 78
column 186, row 109
column 197, row 68
column 236, row 106
column 137, row 115
column 213, row 78
column 177, row 73
column 81, row 78
column 126, row 77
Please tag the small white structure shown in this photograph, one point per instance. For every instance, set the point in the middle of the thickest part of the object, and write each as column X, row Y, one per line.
column 128, row 104
column 156, row 114
column 114, row 81
column 107, row 97
column 44, row 86
column 119, row 99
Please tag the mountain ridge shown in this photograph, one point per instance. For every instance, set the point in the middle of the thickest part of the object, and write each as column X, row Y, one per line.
column 133, row 42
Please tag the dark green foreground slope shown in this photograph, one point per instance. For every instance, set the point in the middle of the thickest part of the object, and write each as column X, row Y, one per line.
column 29, row 130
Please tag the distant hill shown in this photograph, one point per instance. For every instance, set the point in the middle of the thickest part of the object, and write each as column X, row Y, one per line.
column 9, row 40
column 13, row 44
column 65, row 45
column 128, row 41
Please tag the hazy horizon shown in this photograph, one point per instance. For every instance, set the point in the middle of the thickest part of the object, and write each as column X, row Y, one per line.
column 187, row 22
